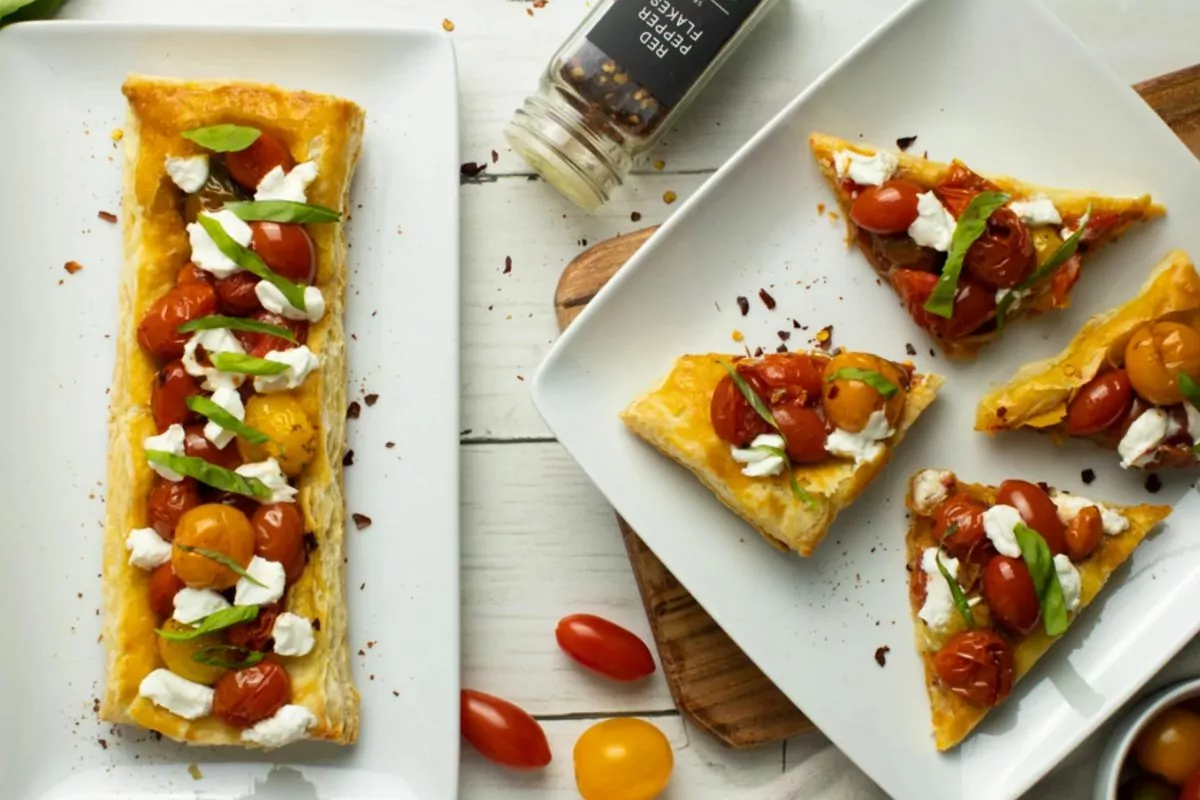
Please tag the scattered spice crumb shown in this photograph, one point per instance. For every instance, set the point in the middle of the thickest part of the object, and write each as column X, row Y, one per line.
column 784, row 335
column 636, row 216
column 362, row 586
column 737, row 335
column 471, row 169
column 783, row 348
column 507, row 264
column 316, row 624
column 371, row 399
column 72, row 267
column 362, row 652
column 447, row 25
column 395, row 693
column 354, row 410
column 389, row 445
column 796, row 324
column 103, row 743
column 659, row 164
column 117, row 134
column 371, row 645
column 744, row 305
column 194, row 771
column 824, row 338
column 1088, row 475
column 372, row 677
column 758, row 351
column 107, row 216
column 909, row 349
column 96, row 705
column 881, row 655
column 905, row 142
column 361, row 521
column 932, row 354
column 348, row 459
column 1001, row 412
column 1153, row 483
column 833, row 216
column 521, row 378
column 669, row 197
column 495, row 156
column 768, row 301
column 820, row 208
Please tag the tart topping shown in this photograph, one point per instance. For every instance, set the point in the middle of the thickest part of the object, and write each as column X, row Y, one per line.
column 1070, row 506
column 228, row 400
column 223, row 138
column 169, row 441
column 211, row 342
column 1037, row 210
column 290, row 185
column 939, row 610
column 147, row 549
column 289, row 724
column 265, row 584
column 934, row 225
column 207, row 253
column 1010, row 594
column 1069, row 580
column 931, row 487
column 865, row 445
column 971, row 225
column 178, row 695
column 976, row 665
column 293, row 635
column 189, row 173
column 274, row 301
column 248, row 696
column 269, row 474
column 193, row 605
column 887, row 209
column 1140, row 443
column 865, row 170
column 999, row 522
column 765, row 456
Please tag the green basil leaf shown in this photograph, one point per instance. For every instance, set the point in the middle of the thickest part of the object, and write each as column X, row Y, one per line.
column 1056, row 260
column 248, row 260
column 1189, row 389
column 970, row 226
column 223, row 560
column 216, row 621
column 1040, row 561
column 206, row 655
column 960, row 599
column 210, row 474
column 246, row 365
column 868, row 376
column 210, row 410
column 223, row 138
column 751, row 396
column 797, row 490
column 236, row 324
column 27, row 9
column 282, row 211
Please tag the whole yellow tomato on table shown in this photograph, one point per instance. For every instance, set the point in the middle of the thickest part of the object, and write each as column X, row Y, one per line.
column 622, row 759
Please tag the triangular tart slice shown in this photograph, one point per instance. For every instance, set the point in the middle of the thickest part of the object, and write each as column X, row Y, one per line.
column 1021, row 562
column 824, row 427
column 963, row 282
column 1118, row 381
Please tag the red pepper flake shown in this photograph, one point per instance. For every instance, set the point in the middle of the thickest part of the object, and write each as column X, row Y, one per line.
column 521, row 378
column 354, row 410
column 1087, row 476
column 471, row 169
column 636, row 216
column 881, row 655
column 783, row 348
column 361, row 521
column 372, row 677
column 796, row 324
column 758, row 351
column 96, row 705
column 348, row 459
column 103, row 743
column 370, row 645
column 316, row 623
column 107, row 216
column 1153, row 483
column 72, row 267
column 361, row 652
column 768, row 301
column 310, row 541
column 507, row 264
column 905, row 142
column 371, row 399
column 395, row 693
column 1001, row 412
column 743, row 305
column 784, row 335
column 389, row 445
column 824, row 338
column 909, row 349
column 495, row 156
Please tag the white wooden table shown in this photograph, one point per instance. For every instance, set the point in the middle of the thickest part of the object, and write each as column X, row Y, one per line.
column 539, row 541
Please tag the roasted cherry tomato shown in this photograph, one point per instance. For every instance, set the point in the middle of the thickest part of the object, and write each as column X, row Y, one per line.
column 158, row 332
column 959, row 187
column 1100, row 403
column 164, row 585
column 236, row 296
column 279, row 536
column 250, row 695
column 177, row 656
column 197, row 445
column 899, row 251
column 168, row 501
column 244, row 504
column 1084, row 533
column 974, row 303
column 803, row 430
column 214, row 527
column 1064, row 279
column 190, row 273
column 219, row 189
column 258, row 632
column 1170, row 745
column 502, row 732
column 1010, row 594
column 963, row 514
column 788, row 376
column 259, row 344
column 1003, row 256
column 622, row 759
column 889, row 208
column 976, row 665
column 733, row 419
column 1037, row 510
column 169, row 393
column 286, row 248
column 849, row 402
column 250, row 165
column 281, row 416
column 1191, row 789
column 604, row 647
column 1156, row 354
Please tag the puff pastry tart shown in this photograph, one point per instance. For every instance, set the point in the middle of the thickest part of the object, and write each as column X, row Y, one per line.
column 1129, row 380
column 787, row 440
column 225, row 608
column 967, row 253
column 996, row 575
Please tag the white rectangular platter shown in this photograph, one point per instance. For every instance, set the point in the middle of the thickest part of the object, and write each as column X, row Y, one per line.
column 61, row 100
column 1004, row 86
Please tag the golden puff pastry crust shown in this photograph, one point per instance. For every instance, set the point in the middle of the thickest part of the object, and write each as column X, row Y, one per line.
column 952, row 717
column 1037, row 396
column 316, row 127
column 1122, row 212
column 674, row 417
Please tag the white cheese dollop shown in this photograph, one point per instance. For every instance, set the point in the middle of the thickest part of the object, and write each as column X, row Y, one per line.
column 1068, row 579
column 268, row 573
column 273, row 300
column 1138, row 445
column 1069, row 506
column 1193, row 422
column 181, row 697
column 865, row 170
column 934, row 225
column 169, row 441
column 214, row 340
column 278, row 185
column 1018, row 297
column 269, row 473
column 192, row 605
column 998, row 523
column 229, row 399
column 938, row 611
column 189, row 173
column 863, row 446
column 1037, row 210
column 290, row 724
column 205, row 253
column 760, row 463
column 300, row 362
column 930, row 487
column 293, row 635
column 147, row 550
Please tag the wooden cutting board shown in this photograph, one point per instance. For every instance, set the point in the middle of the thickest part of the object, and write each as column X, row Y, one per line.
column 711, row 680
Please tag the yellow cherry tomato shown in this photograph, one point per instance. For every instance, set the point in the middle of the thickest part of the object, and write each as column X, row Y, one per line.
column 1156, row 354
column 215, row 527
column 849, row 403
column 1170, row 745
column 293, row 438
column 622, row 759
column 1046, row 242
column 177, row 656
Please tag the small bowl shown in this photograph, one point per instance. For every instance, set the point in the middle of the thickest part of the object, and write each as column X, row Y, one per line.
column 1108, row 776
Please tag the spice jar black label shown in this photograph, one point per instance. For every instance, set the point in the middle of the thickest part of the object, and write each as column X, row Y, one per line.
column 664, row 46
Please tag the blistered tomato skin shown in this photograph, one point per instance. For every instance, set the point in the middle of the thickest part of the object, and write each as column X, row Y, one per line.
column 502, row 732
column 236, row 296
column 886, row 209
column 849, row 402
column 1191, row 789
column 190, row 273
column 168, row 501
column 248, row 696
column 259, row 344
column 1004, row 255
column 212, row 526
column 1009, row 592
column 250, row 165
column 622, row 759
column 1084, row 533
column 1100, row 404
column 197, row 445
column 169, row 392
column 803, row 430
column 958, row 524
column 1037, row 511
column 281, row 416
column 733, row 419
column 976, row 665
column 788, row 376
column 959, row 187
column 257, row 633
column 177, row 656
column 158, row 332
column 286, row 248
column 164, row 585
column 1156, row 354
column 279, row 536
column 604, row 647
column 1169, row 746
column 974, row 303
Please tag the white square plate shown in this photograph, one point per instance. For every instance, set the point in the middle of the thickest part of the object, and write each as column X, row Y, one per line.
column 1004, row 86
column 60, row 90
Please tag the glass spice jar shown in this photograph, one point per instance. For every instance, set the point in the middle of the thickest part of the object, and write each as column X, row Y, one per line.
column 619, row 81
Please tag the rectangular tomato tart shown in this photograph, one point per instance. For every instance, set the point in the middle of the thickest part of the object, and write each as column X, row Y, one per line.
column 1129, row 380
column 996, row 575
column 224, row 596
column 788, row 440
column 967, row 253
